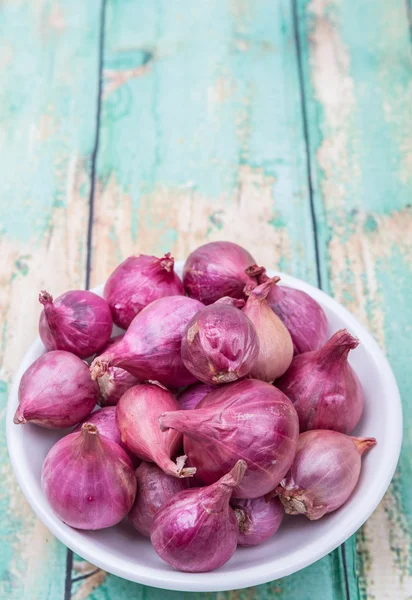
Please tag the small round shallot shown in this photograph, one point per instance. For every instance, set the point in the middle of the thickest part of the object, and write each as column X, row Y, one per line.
column 78, row 321
column 138, row 281
column 219, row 344
column 324, row 388
column 217, row 269
column 88, row 480
column 56, row 391
column 258, row 519
column 196, row 530
column 324, row 472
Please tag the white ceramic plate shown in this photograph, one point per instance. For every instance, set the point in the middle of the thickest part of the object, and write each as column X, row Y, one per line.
column 297, row 544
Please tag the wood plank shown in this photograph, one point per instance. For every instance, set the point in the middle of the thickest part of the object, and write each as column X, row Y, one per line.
column 202, row 139
column 48, row 71
column 358, row 90
column 183, row 154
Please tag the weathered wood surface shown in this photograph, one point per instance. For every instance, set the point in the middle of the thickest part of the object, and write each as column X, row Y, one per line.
column 151, row 126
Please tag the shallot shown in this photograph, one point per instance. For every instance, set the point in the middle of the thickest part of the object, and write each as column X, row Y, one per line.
column 78, row 321
column 196, row 530
column 219, row 344
column 258, row 519
column 150, row 348
column 275, row 343
column 192, row 395
column 115, row 381
column 324, row 473
column 324, row 388
column 56, row 391
column 88, row 480
column 105, row 420
column 304, row 318
column 249, row 419
column 137, row 414
column 217, row 269
column 138, row 281
column 154, row 488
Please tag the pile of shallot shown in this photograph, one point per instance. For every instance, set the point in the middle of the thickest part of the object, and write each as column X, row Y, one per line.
column 224, row 405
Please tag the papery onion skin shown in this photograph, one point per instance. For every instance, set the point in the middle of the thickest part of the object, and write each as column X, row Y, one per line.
column 151, row 347
column 115, row 381
column 137, row 414
column 324, row 388
column 88, row 480
column 192, row 395
column 78, row 321
column 217, row 269
column 105, row 421
column 113, row 384
column 324, row 473
column 138, row 281
column 196, row 530
column 249, row 419
column 258, row 519
column 304, row 318
column 154, row 488
column 275, row 343
column 236, row 302
column 56, row 391
column 220, row 344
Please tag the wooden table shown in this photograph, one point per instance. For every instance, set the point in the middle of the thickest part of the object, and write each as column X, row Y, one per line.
column 284, row 125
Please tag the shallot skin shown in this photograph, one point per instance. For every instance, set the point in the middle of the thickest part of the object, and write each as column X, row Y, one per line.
column 88, row 480
column 220, row 344
column 78, row 321
column 258, row 519
column 275, row 344
column 249, row 419
column 324, row 472
column 138, row 281
column 56, row 391
column 151, row 347
column 192, row 395
column 217, row 269
column 154, row 488
column 115, row 381
column 137, row 415
column 196, row 530
column 324, row 388
column 304, row 318
column 105, row 421
column 113, row 384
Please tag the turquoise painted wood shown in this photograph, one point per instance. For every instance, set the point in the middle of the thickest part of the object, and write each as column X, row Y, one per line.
column 49, row 72
column 359, row 123
column 282, row 125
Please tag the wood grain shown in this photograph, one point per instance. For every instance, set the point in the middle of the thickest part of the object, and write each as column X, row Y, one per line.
column 47, row 127
column 198, row 144
column 358, row 96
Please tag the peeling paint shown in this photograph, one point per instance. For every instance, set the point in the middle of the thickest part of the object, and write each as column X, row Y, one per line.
column 86, row 587
column 114, row 79
column 35, row 553
column 334, row 90
column 195, row 217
